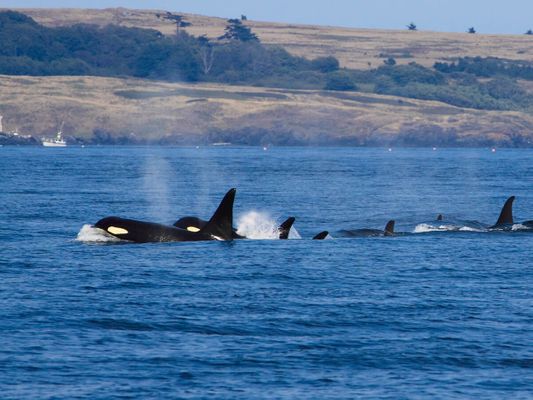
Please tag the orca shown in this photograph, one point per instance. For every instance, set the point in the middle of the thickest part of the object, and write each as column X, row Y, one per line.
column 195, row 224
column 321, row 236
column 439, row 217
column 506, row 219
column 388, row 231
column 219, row 227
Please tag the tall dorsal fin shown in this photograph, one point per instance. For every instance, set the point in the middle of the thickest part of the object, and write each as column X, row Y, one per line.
column 285, row 228
column 320, row 236
column 506, row 215
column 221, row 223
column 439, row 217
column 389, row 228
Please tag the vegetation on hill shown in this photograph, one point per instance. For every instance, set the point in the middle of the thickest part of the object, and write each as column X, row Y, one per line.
column 239, row 57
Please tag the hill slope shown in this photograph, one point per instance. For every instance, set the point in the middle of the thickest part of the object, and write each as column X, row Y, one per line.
column 112, row 110
column 355, row 48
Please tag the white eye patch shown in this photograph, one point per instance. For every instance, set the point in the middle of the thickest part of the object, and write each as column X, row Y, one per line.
column 117, row 231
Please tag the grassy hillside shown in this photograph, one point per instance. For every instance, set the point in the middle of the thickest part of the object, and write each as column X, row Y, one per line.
column 119, row 110
column 355, row 48
column 114, row 110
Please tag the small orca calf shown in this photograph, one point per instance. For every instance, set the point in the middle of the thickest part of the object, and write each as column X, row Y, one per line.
column 195, row 224
column 506, row 220
column 389, row 231
column 219, row 227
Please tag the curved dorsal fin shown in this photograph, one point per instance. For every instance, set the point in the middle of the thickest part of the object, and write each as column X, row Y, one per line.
column 221, row 223
column 285, row 228
column 389, row 228
column 320, row 236
column 506, row 215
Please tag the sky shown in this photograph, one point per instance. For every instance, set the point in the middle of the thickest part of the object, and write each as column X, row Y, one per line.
column 486, row 16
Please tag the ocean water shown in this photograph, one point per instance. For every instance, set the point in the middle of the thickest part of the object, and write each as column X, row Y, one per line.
column 443, row 310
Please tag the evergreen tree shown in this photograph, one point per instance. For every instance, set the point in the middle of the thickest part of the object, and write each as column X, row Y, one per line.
column 177, row 19
column 236, row 30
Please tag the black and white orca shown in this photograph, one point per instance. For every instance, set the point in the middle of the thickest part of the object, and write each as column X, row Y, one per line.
column 219, row 227
column 365, row 232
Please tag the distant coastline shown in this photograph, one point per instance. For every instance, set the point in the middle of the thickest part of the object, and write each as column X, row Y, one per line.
column 347, row 87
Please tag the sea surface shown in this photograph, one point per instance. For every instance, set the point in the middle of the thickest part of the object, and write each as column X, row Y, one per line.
column 443, row 310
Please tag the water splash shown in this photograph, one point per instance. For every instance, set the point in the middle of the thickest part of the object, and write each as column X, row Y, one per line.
column 91, row 234
column 424, row 228
column 257, row 225
column 520, row 227
column 260, row 225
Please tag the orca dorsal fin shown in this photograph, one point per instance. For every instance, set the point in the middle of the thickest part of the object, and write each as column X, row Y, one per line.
column 389, row 228
column 320, row 236
column 285, row 228
column 221, row 223
column 506, row 215
column 439, row 217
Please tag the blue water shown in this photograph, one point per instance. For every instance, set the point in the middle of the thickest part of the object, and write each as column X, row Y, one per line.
column 421, row 315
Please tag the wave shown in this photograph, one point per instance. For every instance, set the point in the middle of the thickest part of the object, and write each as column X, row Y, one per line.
column 520, row 227
column 91, row 234
column 260, row 226
column 424, row 228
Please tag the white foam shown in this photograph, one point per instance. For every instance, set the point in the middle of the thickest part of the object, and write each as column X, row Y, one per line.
column 257, row 225
column 423, row 228
column 469, row 229
column 519, row 227
column 91, row 234
column 260, row 225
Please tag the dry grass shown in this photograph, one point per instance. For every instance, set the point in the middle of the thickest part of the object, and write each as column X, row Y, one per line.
column 355, row 48
column 204, row 113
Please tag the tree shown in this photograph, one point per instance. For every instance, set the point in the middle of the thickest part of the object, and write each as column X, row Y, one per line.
column 325, row 64
column 340, row 81
column 236, row 30
column 412, row 27
column 471, row 30
column 244, row 17
column 207, row 54
column 176, row 19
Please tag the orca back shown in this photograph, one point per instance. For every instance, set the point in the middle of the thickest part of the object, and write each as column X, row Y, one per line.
column 192, row 224
column 285, row 228
column 321, row 236
column 144, row 232
column 389, row 228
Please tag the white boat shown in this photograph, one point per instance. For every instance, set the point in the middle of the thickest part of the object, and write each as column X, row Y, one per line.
column 57, row 142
